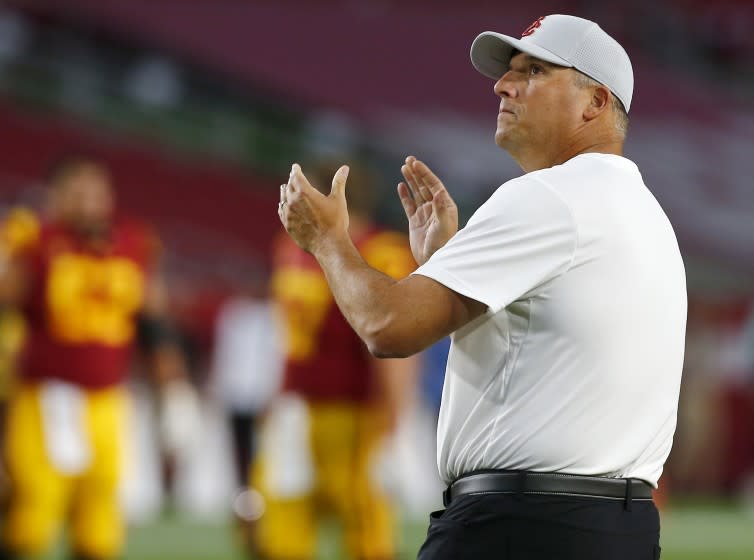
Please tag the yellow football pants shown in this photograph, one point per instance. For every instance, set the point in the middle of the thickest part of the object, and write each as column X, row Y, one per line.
column 43, row 498
column 343, row 439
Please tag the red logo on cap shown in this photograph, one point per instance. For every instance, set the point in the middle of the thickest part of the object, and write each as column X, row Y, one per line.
column 533, row 27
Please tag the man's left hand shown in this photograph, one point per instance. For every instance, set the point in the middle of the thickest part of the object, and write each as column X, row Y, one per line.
column 310, row 217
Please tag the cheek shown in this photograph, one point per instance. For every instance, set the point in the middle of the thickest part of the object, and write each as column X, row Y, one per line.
column 551, row 102
column 546, row 106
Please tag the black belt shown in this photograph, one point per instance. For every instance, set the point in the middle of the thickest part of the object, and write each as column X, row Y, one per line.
column 525, row 482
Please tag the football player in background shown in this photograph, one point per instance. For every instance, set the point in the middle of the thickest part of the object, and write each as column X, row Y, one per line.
column 19, row 227
column 321, row 438
column 87, row 284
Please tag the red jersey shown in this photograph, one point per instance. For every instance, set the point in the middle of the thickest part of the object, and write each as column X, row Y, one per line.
column 325, row 359
column 83, row 302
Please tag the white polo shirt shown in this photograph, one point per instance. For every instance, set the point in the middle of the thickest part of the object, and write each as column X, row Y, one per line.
column 576, row 366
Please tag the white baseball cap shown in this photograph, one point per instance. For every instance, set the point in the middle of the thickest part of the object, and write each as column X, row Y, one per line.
column 563, row 40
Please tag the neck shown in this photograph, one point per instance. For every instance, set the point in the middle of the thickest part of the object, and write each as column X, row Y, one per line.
column 535, row 159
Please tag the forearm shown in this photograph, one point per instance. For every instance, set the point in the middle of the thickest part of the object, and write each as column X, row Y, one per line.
column 369, row 300
column 394, row 319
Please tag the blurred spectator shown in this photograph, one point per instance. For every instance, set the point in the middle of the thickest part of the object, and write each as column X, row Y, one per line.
column 736, row 367
column 714, row 443
column 86, row 283
column 412, row 455
column 247, row 366
column 322, row 435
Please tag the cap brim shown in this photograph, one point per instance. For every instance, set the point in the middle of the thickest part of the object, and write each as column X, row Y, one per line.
column 491, row 53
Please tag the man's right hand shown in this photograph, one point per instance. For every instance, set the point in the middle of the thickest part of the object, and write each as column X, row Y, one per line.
column 432, row 214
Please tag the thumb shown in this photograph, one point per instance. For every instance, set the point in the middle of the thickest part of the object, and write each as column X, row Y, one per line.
column 339, row 182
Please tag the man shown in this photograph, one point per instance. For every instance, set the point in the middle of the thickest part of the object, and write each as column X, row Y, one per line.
column 247, row 367
column 565, row 294
column 325, row 430
column 19, row 227
column 87, row 285
column 247, row 364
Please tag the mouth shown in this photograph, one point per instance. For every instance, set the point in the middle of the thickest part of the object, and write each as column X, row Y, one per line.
column 504, row 110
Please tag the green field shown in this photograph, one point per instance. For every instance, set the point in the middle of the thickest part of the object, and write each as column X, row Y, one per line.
column 689, row 533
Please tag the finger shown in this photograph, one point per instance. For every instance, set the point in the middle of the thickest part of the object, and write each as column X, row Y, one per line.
column 285, row 212
column 427, row 178
column 290, row 180
column 405, row 190
column 411, row 162
column 298, row 181
column 408, row 174
column 282, row 192
column 412, row 183
column 424, row 192
column 338, row 187
column 408, row 171
column 409, row 206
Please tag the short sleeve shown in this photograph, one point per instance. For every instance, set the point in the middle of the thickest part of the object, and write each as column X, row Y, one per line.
column 521, row 238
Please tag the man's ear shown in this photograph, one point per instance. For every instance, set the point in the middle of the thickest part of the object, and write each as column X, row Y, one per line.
column 599, row 102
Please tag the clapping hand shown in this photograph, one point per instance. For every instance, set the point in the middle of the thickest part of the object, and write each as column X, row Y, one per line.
column 310, row 217
column 432, row 214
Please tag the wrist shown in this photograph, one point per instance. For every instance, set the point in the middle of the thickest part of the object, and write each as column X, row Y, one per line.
column 327, row 245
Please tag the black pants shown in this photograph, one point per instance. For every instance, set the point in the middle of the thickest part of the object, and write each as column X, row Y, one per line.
column 542, row 527
column 243, row 426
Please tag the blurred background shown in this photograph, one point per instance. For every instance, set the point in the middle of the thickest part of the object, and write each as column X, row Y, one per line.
column 198, row 108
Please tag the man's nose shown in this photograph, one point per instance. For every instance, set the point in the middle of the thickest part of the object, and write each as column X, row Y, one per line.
column 506, row 86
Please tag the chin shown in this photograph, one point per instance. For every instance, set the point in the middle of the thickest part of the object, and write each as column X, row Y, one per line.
column 507, row 137
column 501, row 138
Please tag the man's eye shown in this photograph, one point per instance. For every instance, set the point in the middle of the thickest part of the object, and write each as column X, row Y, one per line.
column 535, row 69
